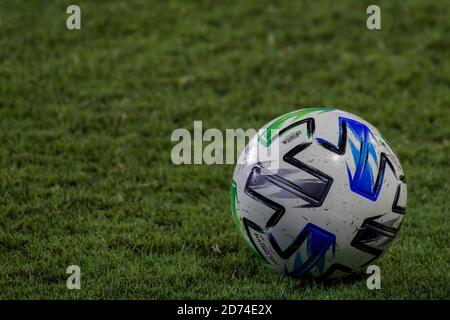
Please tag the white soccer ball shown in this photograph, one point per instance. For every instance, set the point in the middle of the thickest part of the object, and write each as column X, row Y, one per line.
column 318, row 192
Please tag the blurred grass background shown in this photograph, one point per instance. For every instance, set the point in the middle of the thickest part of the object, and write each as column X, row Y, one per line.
column 86, row 118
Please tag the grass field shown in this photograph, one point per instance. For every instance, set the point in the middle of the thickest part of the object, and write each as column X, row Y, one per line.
column 86, row 118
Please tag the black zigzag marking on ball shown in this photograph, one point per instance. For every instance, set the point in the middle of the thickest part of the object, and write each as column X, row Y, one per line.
column 285, row 254
column 278, row 209
column 370, row 232
column 313, row 197
column 395, row 207
column 316, row 200
column 310, row 126
column 336, row 267
column 342, row 143
column 382, row 167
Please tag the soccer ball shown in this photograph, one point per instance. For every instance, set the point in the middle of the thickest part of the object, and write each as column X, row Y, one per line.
column 319, row 193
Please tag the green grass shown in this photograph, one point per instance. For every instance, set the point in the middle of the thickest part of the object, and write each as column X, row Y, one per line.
column 86, row 118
